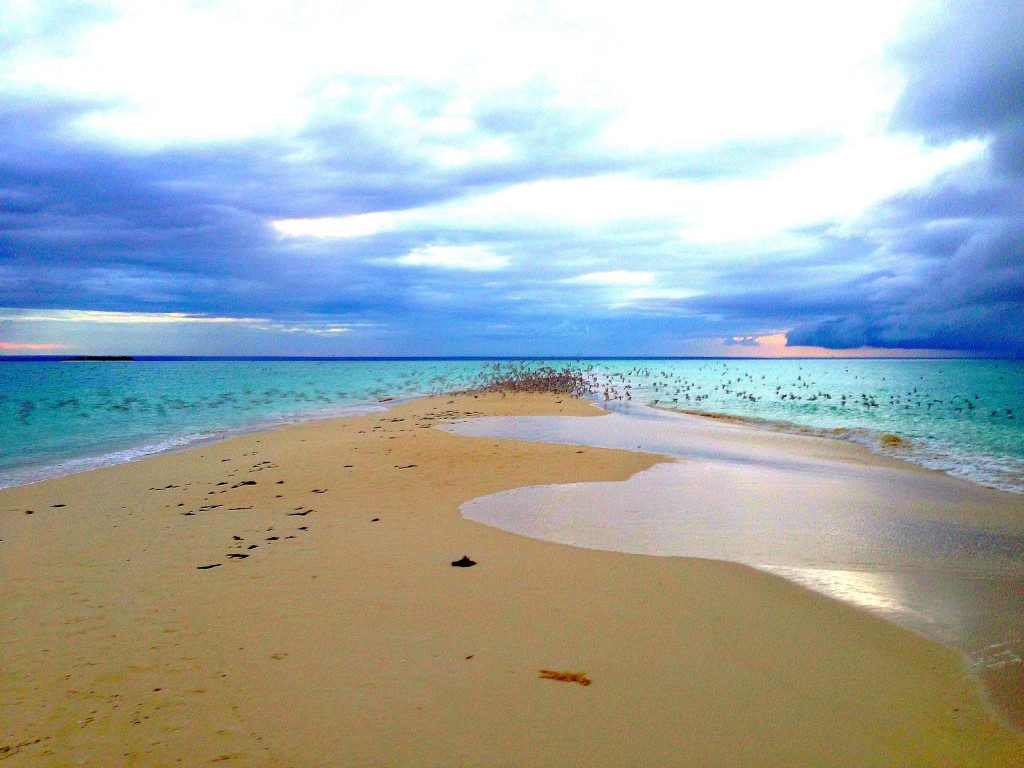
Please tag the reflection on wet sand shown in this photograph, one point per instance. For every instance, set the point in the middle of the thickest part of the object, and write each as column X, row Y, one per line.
column 934, row 554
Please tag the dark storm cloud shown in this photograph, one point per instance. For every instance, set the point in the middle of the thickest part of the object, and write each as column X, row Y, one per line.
column 934, row 275
column 965, row 69
column 966, row 78
column 87, row 226
column 955, row 280
column 954, row 249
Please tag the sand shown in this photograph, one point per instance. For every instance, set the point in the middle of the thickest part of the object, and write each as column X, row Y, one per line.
column 345, row 636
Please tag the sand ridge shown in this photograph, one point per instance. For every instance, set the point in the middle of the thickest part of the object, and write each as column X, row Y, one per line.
column 333, row 629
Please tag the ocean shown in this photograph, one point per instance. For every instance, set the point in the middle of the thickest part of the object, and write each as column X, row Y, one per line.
column 964, row 417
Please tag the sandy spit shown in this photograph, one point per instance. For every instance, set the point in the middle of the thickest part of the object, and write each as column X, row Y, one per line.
column 332, row 629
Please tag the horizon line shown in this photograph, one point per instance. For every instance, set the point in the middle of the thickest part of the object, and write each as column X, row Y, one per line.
column 467, row 358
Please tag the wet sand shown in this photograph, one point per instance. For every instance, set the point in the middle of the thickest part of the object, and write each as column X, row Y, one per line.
column 936, row 554
column 288, row 599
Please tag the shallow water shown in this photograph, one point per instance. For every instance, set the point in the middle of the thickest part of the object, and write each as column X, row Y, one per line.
column 57, row 418
column 960, row 416
column 963, row 417
column 888, row 540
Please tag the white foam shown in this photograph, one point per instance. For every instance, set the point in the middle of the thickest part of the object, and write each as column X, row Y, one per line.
column 27, row 475
column 1004, row 473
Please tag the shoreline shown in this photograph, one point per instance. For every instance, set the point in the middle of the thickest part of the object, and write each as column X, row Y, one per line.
column 879, row 443
column 930, row 552
column 344, row 636
column 187, row 442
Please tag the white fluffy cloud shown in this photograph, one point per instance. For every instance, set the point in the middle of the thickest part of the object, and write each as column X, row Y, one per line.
column 664, row 73
column 473, row 258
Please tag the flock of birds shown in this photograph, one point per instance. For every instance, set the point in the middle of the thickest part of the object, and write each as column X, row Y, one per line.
column 667, row 388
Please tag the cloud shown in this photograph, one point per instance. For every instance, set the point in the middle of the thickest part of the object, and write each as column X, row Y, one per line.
column 474, row 258
column 952, row 249
column 30, row 347
column 615, row 277
column 527, row 181
column 963, row 290
column 742, row 341
column 87, row 316
column 344, row 227
column 965, row 71
column 312, row 326
column 282, row 65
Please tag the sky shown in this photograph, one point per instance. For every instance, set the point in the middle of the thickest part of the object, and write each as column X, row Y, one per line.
column 537, row 179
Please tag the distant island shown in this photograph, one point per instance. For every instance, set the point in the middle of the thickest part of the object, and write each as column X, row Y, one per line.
column 99, row 359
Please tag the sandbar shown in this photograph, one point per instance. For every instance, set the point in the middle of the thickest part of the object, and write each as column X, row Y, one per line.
column 288, row 598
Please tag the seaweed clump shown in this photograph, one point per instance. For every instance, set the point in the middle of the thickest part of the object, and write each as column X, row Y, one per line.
column 566, row 677
column 508, row 378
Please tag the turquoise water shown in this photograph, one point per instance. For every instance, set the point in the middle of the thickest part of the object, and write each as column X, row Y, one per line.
column 57, row 417
column 965, row 417
column 961, row 416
